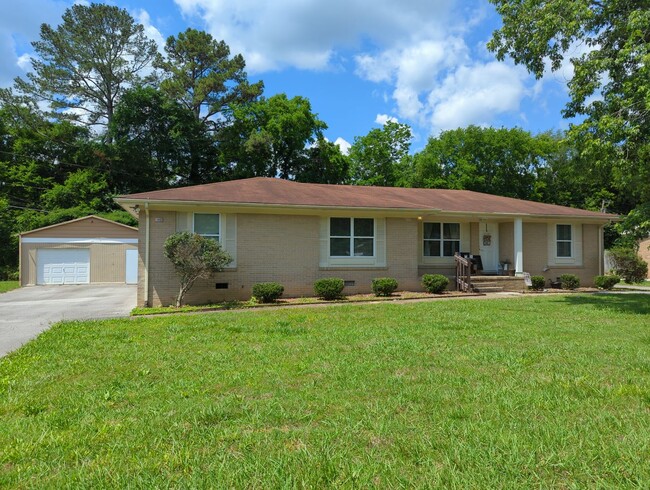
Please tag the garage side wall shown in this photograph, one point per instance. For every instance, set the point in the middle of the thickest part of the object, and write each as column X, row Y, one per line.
column 107, row 260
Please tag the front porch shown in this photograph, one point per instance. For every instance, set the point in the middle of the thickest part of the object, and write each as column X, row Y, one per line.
column 468, row 280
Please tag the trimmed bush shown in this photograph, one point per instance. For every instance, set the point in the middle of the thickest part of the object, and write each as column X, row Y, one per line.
column 384, row 286
column 538, row 282
column 569, row 281
column 329, row 288
column 629, row 265
column 606, row 282
column 267, row 292
column 435, row 283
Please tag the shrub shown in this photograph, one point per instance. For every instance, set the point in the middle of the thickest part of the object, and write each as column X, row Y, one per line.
column 606, row 282
column 267, row 292
column 194, row 256
column 569, row 281
column 628, row 264
column 434, row 283
column 9, row 274
column 384, row 286
column 538, row 282
column 329, row 288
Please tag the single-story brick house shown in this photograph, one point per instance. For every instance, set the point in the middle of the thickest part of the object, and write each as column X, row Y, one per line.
column 295, row 233
column 80, row 251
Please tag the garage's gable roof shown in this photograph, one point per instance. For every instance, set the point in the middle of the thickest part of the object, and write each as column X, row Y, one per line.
column 284, row 193
column 86, row 220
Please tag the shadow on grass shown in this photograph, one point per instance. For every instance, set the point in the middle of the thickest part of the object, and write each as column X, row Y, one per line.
column 625, row 303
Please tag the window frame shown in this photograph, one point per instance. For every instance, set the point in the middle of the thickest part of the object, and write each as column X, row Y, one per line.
column 352, row 238
column 217, row 236
column 442, row 238
column 570, row 241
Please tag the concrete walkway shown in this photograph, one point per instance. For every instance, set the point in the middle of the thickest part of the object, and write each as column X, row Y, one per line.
column 632, row 287
column 26, row 312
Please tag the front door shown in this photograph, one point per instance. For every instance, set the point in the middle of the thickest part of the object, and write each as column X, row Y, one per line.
column 488, row 238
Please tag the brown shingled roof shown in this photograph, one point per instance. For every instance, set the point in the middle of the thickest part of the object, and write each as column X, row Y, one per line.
column 279, row 192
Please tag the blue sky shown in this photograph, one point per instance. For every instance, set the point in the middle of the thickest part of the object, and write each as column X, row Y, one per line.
column 421, row 62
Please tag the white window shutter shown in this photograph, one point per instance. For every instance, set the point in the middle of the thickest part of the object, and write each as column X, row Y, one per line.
column 324, row 241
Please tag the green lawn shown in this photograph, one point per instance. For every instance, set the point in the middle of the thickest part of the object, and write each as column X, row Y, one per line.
column 8, row 286
column 540, row 391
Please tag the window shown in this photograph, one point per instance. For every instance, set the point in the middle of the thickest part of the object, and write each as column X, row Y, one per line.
column 352, row 237
column 564, row 241
column 441, row 239
column 207, row 225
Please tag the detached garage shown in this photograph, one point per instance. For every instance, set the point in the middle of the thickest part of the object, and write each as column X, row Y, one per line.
column 82, row 251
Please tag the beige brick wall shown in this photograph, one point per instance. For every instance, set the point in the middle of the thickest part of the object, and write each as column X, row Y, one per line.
column 536, row 252
column 644, row 252
column 279, row 248
column 286, row 249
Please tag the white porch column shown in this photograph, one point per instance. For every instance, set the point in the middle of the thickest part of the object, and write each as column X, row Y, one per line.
column 519, row 247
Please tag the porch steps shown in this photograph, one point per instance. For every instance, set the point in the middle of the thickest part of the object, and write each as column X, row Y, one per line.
column 486, row 287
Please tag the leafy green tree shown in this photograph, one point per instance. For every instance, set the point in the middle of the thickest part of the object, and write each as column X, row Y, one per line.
column 377, row 158
column 83, row 66
column 199, row 72
column 634, row 227
column 271, row 137
column 161, row 140
column 8, row 240
column 608, row 44
column 324, row 164
column 83, row 188
column 194, row 257
column 37, row 153
column 502, row 161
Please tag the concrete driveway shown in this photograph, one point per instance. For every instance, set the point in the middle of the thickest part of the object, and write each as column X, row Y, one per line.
column 26, row 312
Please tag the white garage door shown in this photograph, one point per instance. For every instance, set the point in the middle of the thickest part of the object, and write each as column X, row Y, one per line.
column 63, row 266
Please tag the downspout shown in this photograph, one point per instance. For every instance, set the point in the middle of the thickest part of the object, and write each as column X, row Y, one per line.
column 146, row 255
column 601, row 249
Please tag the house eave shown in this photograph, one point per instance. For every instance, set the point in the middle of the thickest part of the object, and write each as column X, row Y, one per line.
column 131, row 206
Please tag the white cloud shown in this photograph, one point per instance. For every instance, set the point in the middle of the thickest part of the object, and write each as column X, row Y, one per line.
column 417, row 49
column 343, row 145
column 476, row 95
column 24, row 61
column 384, row 118
column 308, row 34
column 143, row 17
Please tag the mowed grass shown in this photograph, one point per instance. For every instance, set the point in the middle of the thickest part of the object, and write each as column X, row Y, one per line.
column 542, row 391
column 8, row 286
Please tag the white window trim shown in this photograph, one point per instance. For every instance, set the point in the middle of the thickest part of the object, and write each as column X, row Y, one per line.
column 576, row 259
column 572, row 242
column 209, row 235
column 442, row 239
column 352, row 237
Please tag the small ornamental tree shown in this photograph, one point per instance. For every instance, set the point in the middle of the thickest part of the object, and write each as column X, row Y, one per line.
column 194, row 256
